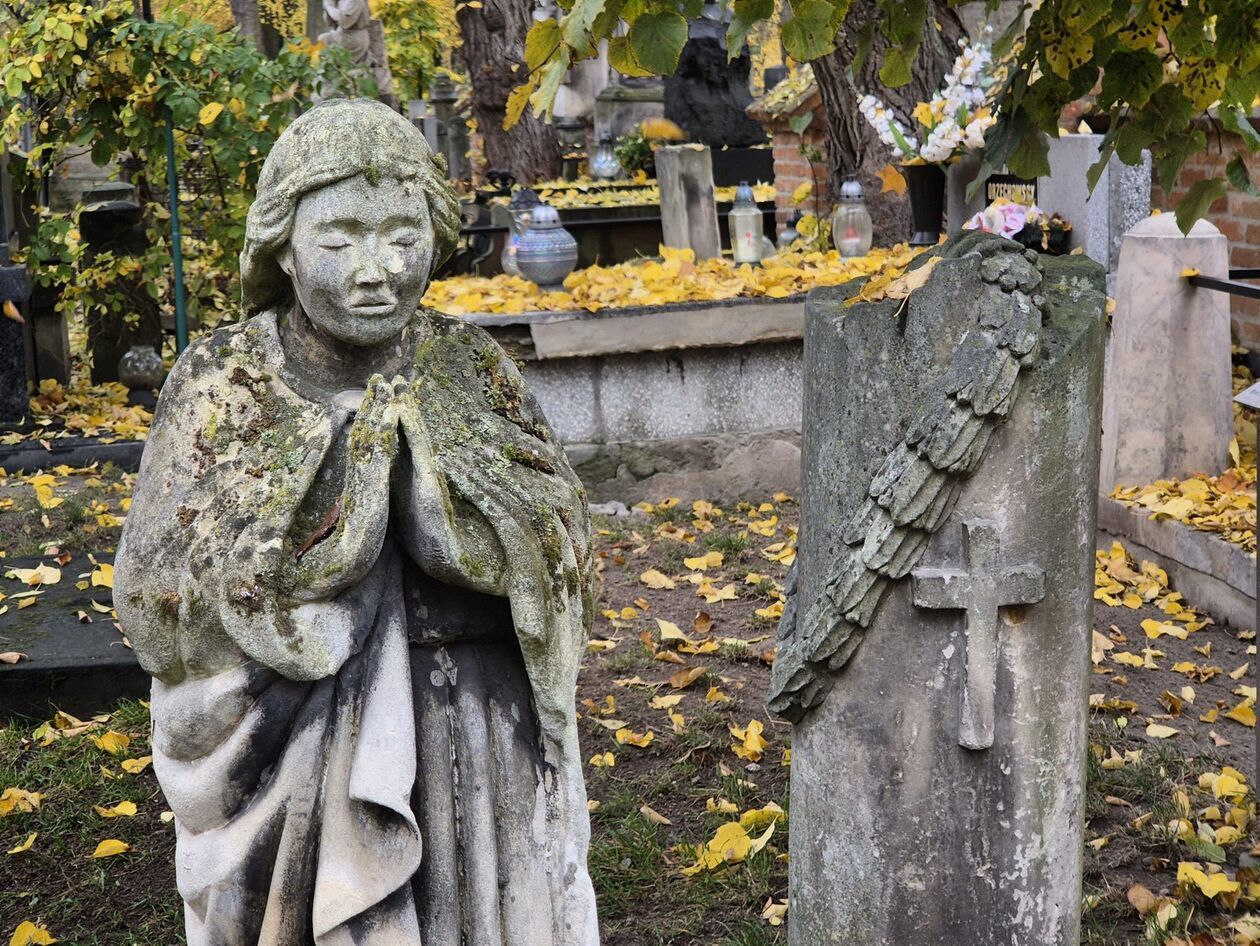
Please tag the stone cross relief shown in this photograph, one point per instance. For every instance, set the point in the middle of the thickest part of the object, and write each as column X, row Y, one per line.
column 984, row 587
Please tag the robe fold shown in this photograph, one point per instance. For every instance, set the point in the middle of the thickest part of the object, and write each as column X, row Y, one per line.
column 363, row 744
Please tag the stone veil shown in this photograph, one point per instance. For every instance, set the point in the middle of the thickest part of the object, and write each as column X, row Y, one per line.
column 363, row 742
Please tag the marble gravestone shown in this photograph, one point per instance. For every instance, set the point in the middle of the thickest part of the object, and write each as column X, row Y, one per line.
column 934, row 655
column 363, row 601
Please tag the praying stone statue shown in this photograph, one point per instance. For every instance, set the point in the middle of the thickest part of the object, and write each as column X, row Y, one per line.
column 934, row 654
column 364, row 38
column 358, row 567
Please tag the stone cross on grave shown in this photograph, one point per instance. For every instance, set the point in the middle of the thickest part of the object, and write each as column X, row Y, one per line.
column 981, row 590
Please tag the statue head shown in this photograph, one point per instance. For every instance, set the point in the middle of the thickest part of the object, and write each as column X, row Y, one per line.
column 352, row 217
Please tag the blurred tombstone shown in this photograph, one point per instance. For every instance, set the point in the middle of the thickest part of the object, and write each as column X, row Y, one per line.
column 110, row 222
column 14, row 290
column 688, row 207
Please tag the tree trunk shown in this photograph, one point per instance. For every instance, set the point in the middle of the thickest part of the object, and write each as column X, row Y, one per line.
column 250, row 24
column 494, row 39
column 853, row 147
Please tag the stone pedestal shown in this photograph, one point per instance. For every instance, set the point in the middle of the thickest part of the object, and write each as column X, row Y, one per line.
column 622, row 106
column 1167, row 401
column 935, row 656
column 14, row 393
column 688, row 208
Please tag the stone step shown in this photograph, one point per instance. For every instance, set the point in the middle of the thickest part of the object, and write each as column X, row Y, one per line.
column 69, row 664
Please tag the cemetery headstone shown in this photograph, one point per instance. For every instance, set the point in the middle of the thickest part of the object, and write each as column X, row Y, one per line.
column 622, row 106
column 15, row 289
column 387, row 582
column 1099, row 220
column 688, row 207
column 110, row 222
column 708, row 93
column 934, row 655
column 1166, row 404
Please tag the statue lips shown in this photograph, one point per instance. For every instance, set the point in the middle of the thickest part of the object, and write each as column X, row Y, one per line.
column 373, row 307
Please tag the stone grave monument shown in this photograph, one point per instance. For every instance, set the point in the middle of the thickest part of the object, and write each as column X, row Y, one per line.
column 363, row 601
column 934, row 655
column 1167, row 415
column 688, row 207
column 1121, row 199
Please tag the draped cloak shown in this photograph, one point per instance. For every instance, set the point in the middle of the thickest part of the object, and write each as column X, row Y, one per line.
column 307, row 743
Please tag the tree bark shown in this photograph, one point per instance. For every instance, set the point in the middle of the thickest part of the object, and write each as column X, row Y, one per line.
column 853, row 146
column 250, row 24
column 494, row 39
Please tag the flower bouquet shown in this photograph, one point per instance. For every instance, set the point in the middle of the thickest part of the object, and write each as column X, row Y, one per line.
column 952, row 123
column 1029, row 226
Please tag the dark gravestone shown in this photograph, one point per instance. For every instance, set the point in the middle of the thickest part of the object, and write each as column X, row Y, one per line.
column 707, row 94
column 111, row 222
column 14, row 289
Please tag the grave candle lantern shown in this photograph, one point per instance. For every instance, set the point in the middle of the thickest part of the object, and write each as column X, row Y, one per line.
column 851, row 227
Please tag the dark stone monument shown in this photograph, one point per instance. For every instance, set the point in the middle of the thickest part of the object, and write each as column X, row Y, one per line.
column 111, row 222
column 707, row 94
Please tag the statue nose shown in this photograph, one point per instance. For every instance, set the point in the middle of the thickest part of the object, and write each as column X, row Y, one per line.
column 371, row 270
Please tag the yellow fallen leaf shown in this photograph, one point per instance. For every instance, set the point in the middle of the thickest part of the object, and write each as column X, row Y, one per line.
column 721, row 806
column 103, row 576
column 668, row 701
column 12, row 657
column 16, row 799
column 166, row 817
column 715, row 695
column 628, row 737
column 1159, row 731
column 890, row 180
column 707, row 560
column 115, row 743
column 671, row 632
column 1157, row 629
column 109, row 847
column 750, row 742
column 712, row 595
column 604, row 760
column 685, row 678
column 1210, row 885
column 655, row 579
column 32, row 934
column 1128, row 659
column 598, row 646
column 124, row 809
column 25, row 845
column 40, row 575
column 1243, row 713
column 654, row 816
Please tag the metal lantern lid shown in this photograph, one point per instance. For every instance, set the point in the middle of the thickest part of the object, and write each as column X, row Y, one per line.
column 544, row 217
column 524, row 199
column 851, row 191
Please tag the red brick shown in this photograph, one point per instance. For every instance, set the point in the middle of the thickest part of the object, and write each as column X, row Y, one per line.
column 1245, row 257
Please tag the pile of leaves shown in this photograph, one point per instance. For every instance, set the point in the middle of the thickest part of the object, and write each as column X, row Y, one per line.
column 1224, row 504
column 637, row 191
column 83, row 410
column 675, row 278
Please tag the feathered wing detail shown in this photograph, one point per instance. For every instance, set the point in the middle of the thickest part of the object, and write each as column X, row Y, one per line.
column 913, row 491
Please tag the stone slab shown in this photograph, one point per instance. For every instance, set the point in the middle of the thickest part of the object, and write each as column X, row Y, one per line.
column 1214, row 575
column 28, row 456
column 82, row 668
column 662, row 330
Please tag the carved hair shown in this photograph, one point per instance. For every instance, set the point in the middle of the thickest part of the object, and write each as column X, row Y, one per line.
column 334, row 141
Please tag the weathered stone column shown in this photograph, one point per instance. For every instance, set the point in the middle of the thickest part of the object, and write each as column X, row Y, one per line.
column 1167, row 400
column 688, row 207
column 935, row 655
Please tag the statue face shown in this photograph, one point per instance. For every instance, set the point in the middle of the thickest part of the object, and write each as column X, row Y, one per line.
column 360, row 257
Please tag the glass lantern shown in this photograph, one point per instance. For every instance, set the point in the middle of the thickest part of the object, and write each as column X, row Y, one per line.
column 746, row 224
column 604, row 164
column 521, row 208
column 851, row 227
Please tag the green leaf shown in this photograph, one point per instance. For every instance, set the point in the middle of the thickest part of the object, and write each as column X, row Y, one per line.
column 657, row 40
column 576, row 24
column 746, row 15
column 1198, row 200
column 897, row 65
column 809, row 34
column 608, row 18
column 1031, row 156
column 1174, row 151
column 552, row 74
column 1239, row 176
column 1236, row 120
column 621, row 57
column 1131, row 78
column 541, row 41
column 865, row 40
column 798, row 123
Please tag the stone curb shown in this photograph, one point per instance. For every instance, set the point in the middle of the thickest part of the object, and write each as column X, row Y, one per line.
column 77, row 452
column 1214, row 575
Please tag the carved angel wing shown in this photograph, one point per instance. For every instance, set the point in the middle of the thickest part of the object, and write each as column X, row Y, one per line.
column 914, row 490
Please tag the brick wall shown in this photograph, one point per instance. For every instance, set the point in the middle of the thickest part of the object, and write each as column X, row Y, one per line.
column 1236, row 215
column 791, row 169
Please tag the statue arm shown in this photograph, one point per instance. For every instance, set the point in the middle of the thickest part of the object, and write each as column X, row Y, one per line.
column 448, row 538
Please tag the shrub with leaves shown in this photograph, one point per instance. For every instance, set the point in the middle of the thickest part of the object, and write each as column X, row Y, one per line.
column 82, row 77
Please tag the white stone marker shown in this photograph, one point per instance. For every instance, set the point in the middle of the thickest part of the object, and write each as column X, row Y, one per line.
column 1167, row 396
column 934, row 655
column 688, row 206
